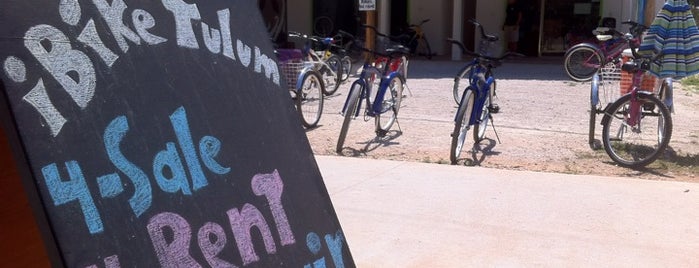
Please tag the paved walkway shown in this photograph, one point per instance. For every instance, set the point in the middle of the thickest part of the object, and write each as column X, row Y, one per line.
column 402, row 214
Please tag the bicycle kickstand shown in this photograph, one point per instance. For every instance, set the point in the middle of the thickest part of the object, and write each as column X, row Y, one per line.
column 492, row 123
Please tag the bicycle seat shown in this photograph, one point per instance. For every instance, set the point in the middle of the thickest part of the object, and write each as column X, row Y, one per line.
column 604, row 37
column 398, row 49
column 491, row 38
column 633, row 66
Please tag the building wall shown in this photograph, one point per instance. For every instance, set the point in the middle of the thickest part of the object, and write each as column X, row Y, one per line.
column 300, row 16
column 439, row 27
column 491, row 14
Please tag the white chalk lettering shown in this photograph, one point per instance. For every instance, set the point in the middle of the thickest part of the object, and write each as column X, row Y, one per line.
column 212, row 38
column 244, row 53
column 113, row 15
column 184, row 14
column 70, row 11
column 91, row 38
column 15, row 69
column 38, row 98
column 264, row 63
column 224, row 19
column 143, row 21
column 62, row 61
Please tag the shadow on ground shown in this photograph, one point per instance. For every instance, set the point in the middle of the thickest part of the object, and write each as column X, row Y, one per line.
column 523, row 69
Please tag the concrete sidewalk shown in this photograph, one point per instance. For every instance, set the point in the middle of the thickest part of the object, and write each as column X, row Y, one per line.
column 402, row 214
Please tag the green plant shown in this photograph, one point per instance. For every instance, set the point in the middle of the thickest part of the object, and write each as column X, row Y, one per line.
column 691, row 83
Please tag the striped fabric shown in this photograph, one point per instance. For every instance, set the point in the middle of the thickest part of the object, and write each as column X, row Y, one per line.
column 675, row 33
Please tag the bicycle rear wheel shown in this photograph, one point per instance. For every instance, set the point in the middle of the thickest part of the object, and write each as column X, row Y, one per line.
column 639, row 145
column 331, row 74
column 479, row 129
column 346, row 68
column 309, row 99
column 579, row 63
column 390, row 106
column 463, row 116
column 350, row 109
column 423, row 48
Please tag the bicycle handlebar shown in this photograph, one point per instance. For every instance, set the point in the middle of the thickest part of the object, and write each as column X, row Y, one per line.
column 478, row 55
column 490, row 38
column 355, row 46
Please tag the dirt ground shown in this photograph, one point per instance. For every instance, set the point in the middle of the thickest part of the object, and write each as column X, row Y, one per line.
column 542, row 126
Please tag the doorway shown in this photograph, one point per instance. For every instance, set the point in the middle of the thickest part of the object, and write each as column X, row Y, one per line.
column 468, row 30
column 399, row 16
column 568, row 22
column 529, row 28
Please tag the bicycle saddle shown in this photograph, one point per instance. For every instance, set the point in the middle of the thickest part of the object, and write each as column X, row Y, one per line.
column 491, row 38
column 633, row 66
column 397, row 49
column 604, row 37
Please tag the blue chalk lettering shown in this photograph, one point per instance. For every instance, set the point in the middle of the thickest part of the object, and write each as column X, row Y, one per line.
column 169, row 157
column 110, row 185
column 208, row 148
column 320, row 263
column 335, row 247
column 184, row 138
column 63, row 192
column 143, row 195
column 313, row 242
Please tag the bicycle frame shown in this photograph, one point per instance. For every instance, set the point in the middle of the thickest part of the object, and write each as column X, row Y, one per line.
column 481, row 86
column 365, row 81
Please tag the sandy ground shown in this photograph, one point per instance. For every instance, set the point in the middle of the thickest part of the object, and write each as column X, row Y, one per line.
column 542, row 126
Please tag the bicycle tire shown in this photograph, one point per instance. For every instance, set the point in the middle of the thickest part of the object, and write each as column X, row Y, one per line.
column 479, row 129
column 574, row 60
column 463, row 116
column 392, row 105
column 664, row 132
column 311, row 91
column 331, row 76
column 323, row 26
column 350, row 110
column 346, row 62
column 593, row 112
column 426, row 46
column 458, row 81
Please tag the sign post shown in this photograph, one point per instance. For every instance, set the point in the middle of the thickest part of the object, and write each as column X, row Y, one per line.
column 155, row 134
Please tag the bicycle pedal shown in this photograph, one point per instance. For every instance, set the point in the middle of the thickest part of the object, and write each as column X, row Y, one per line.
column 494, row 108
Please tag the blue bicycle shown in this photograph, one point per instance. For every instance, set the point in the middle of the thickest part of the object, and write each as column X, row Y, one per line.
column 475, row 102
column 386, row 103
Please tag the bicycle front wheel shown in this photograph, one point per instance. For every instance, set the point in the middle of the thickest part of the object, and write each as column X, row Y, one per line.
column 390, row 106
column 581, row 63
column 309, row 99
column 461, row 82
column 463, row 116
column 350, row 109
column 636, row 145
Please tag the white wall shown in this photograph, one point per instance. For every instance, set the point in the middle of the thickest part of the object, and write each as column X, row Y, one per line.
column 439, row 27
column 491, row 14
column 300, row 16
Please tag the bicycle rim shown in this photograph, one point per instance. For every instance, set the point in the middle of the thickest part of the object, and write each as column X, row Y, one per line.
column 579, row 63
column 638, row 145
column 331, row 74
column 479, row 129
column 461, row 126
column 391, row 104
column 346, row 68
column 309, row 99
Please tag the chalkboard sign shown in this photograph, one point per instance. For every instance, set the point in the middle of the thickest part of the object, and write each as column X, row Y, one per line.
column 155, row 133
